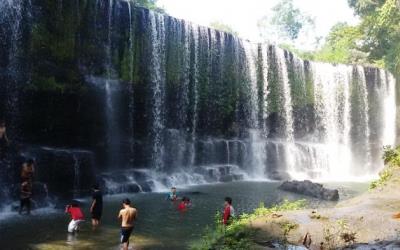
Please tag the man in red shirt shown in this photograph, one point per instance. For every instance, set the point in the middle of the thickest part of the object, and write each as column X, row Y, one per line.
column 76, row 215
column 229, row 211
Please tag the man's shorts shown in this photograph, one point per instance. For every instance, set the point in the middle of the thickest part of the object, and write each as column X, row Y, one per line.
column 73, row 225
column 125, row 234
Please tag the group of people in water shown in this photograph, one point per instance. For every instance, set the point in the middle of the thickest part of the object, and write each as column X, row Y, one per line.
column 127, row 215
column 185, row 203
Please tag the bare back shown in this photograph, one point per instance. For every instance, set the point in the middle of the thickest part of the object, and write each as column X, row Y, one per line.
column 128, row 215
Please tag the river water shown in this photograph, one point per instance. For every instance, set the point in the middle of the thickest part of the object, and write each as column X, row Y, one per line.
column 159, row 226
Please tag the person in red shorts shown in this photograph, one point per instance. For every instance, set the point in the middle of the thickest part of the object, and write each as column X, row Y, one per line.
column 229, row 211
column 77, row 216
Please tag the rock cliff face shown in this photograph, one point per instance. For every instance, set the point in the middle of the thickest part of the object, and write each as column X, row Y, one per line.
column 144, row 90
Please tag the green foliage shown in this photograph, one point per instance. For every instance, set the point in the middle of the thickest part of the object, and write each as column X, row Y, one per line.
column 342, row 46
column 238, row 234
column 380, row 27
column 223, row 27
column 337, row 234
column 375, row 41
column 288, row 226
column 151, row 5
column 391, row 157
column 289, row 20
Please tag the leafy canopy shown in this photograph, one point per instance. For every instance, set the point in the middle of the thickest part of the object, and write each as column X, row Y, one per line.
column 290, row 20
column 223, row 27
column 150, row 4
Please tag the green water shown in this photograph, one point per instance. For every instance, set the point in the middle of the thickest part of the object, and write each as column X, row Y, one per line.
column 159, row 226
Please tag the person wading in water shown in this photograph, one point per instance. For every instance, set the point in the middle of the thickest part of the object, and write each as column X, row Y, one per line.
column 96, row 209
column 127, row 215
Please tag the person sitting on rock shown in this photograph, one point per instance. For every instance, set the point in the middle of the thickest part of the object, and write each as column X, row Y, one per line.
column 26, row 194
column 4, row 142
column 28, row 170
column 77, row 216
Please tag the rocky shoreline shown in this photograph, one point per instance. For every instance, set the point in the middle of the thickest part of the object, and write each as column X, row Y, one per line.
column 364, row 222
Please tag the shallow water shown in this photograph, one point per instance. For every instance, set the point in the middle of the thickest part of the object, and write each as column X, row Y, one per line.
column 159, row 226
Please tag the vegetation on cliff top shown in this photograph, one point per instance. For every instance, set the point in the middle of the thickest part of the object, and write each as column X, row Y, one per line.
column 374, row 41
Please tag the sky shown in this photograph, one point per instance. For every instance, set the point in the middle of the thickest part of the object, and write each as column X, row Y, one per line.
column 243, row 16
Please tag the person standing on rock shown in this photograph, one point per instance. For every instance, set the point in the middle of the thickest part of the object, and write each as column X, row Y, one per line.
column 96, row 209
column 28, row 170
column 4, row 142
column 127, row 215
column 229, row 211
column 25, row 196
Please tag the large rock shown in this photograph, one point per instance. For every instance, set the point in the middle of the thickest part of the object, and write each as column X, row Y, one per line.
column 66, row 172
column 310, row 189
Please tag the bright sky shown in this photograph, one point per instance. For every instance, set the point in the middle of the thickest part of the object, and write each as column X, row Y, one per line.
column 243, row 16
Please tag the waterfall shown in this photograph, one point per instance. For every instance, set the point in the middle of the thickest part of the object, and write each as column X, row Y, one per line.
column 167, row 96
column 157, row 84
column 77, row 176
column 388, row 83
column 332, row 100
column 287, row 108
column 286, row 111
column 363, row 126
column 265, row 91
column 130, row 86
column 110, row 110
column 11, row 35
column 195, row 71
column 251, row 69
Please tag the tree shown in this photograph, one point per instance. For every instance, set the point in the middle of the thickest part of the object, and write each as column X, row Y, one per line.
column 380, row 26
column 150, row 4
column 223, row 27
column 287, row 21
column 342, row 45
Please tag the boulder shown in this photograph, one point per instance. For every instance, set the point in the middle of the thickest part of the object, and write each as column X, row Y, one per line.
column 310, row 189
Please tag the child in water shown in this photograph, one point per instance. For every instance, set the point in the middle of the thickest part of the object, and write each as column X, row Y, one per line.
column 184, row 204
column 76, row 215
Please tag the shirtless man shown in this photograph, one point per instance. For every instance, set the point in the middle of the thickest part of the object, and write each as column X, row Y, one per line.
column 127, row 215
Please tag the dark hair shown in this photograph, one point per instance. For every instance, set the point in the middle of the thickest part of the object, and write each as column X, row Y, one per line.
column 126, row 201
column 96, row 186
column 229, row 200
column 173, row 188
column 74, row 203
column 30, row 161
column 2, row 123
